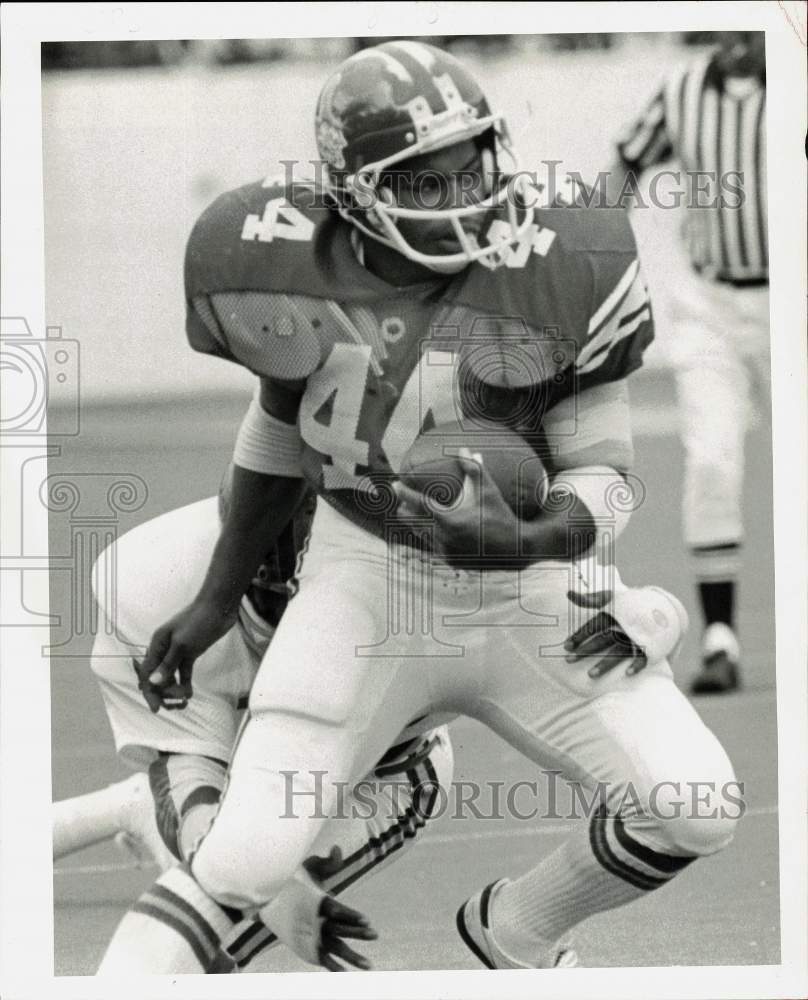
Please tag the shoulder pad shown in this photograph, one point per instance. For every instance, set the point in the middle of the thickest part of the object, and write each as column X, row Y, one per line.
column 258, row 237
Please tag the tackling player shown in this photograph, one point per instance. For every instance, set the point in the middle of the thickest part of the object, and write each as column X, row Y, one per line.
column 154, row 570
column 369, row 318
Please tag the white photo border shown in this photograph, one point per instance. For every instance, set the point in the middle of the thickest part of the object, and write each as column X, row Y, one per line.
column 26, row 884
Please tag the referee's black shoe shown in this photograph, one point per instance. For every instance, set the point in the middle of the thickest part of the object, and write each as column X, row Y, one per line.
column 720, row 655
column 718, row 675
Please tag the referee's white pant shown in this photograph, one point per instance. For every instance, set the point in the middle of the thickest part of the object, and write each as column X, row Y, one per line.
column 718, row 344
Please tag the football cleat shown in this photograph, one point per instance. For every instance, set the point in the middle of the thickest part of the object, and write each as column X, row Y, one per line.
column 474, row 928
column 720, row 672
column 403, row 99
column 718, row 675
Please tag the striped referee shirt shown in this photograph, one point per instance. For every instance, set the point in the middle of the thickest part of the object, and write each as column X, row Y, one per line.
column 715, row 126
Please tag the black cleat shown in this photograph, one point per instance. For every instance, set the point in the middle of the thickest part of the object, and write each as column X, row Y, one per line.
column 719, row 675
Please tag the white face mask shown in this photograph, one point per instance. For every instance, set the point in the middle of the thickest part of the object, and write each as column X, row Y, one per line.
column 373, row 211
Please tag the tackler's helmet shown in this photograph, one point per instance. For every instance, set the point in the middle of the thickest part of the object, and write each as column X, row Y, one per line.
column 403, row 99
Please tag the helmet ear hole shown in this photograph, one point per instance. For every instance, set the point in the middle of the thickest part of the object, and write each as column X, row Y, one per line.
column 487, row 140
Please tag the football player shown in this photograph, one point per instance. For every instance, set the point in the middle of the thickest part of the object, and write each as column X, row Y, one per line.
column 155, row 570
column 427, row 280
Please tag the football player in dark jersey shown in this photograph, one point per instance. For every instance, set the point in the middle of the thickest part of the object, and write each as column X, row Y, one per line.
column 428, row 281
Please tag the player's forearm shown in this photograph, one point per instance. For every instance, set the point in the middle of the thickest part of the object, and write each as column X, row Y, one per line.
column 609, row 495
column 585, row 511
column 265, row 490
column 260, row 506
column 565, row 530
column 598, row 501
column 593, row 452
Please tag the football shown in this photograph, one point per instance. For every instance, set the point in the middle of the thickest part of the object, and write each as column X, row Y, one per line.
column 432, row 467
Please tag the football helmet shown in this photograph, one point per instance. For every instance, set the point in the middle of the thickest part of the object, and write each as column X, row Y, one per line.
column 402, row 99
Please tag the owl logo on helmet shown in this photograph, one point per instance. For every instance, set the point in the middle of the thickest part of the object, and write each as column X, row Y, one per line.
column 331, row 142
column 402, row 99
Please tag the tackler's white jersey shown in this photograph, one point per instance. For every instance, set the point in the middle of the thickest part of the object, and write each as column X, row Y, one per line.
column 144, row 578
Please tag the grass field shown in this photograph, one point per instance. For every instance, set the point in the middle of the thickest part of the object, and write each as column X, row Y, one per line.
column 722, row 911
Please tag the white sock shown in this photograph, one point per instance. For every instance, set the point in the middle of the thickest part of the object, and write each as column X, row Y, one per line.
column 598, row 868
column 174, row 928
column 96, row 816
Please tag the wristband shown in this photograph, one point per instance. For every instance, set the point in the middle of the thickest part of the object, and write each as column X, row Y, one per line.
column 268, row 445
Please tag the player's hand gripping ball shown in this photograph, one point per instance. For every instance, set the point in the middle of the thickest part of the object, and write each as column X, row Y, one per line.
column 433, row 467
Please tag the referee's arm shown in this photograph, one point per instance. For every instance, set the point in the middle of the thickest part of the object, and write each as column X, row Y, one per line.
column 645, row 143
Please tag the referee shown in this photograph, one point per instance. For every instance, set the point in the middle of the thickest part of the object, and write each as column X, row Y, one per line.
column 710, row 116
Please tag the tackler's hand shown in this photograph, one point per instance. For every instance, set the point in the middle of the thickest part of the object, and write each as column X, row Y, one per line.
column 603, row 636
column 315, row 925
column 337, row 920
column 338, row 923
column 634, row 627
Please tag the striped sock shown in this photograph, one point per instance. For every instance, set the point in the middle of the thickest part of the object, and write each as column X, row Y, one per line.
column 174, row 928
column 251, row 936
column 596, row 869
